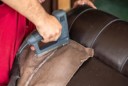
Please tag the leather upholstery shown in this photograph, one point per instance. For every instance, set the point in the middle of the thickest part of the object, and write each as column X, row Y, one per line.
column 96, row 73
column 89, row 21
column 111, row 45
column 50, row 5
column 108, row 36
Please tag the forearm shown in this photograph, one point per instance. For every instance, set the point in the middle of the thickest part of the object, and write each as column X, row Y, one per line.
column 47, row 25
column 31, row 9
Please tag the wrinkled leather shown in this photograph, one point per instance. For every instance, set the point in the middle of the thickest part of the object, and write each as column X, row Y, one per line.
column 53, row 69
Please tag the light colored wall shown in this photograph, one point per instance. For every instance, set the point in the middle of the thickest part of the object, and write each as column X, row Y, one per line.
column 64, row 4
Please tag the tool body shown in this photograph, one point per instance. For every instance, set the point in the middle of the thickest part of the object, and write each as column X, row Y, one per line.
column 34, row 38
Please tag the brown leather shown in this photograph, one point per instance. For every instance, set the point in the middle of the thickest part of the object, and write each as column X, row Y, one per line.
column 50, row 5
column 103, row 32
column 53, row 69
column 95, row 73
column 108, row 36
column 86, row 23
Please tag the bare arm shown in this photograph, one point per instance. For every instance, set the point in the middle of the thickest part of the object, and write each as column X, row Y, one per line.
column 29, row 8
column 47, row 25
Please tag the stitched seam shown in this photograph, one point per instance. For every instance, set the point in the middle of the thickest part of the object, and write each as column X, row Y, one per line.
column 121, row 68
column 36, row 69
column 103, row 30
column 79, row 15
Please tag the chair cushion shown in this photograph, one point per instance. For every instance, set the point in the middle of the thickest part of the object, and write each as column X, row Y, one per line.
column 103, row 32
column 95, row 73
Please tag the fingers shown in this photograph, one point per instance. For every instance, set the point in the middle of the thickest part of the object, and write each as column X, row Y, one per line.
column 32, row 48
column 49, row 29
column 52, row 36
column 49, row 37
column 41, row 1
column 78, row 2
column 91, row 4
column 83, row 2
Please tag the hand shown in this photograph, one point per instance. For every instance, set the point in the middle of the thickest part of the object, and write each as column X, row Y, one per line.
column 83, row 2
column 41, row 1
column 49, row 28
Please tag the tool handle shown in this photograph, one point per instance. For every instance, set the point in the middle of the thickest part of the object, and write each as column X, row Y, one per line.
column 61, row 17
column 35, row 37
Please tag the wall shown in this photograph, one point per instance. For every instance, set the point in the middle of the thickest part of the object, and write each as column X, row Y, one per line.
column 117, row 8
column 64, row 4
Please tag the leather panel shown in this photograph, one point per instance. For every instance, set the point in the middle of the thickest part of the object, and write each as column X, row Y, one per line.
column 96, row 73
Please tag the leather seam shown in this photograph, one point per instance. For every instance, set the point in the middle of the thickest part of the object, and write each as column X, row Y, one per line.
column 79, row 15
column 103, row 30
column 38, row 68
column 126, row 59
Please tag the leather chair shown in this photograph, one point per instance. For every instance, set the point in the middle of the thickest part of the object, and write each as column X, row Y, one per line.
column 50, row 5
column 108, row 36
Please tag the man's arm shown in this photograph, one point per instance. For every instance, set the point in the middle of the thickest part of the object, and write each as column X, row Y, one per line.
column 47, row 25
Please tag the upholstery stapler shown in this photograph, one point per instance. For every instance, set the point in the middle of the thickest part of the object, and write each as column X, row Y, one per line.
column 34, row 38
